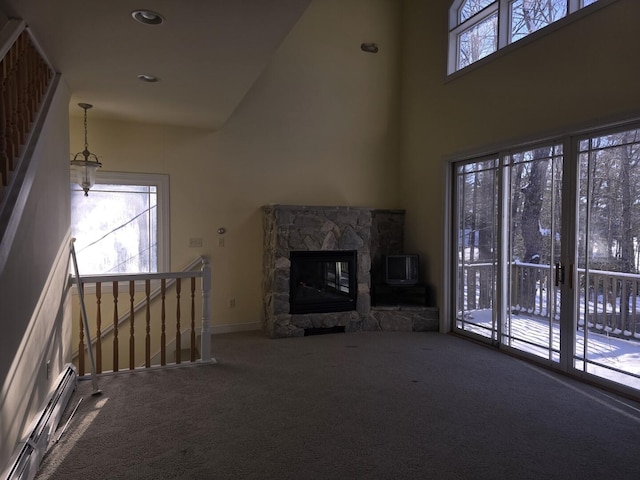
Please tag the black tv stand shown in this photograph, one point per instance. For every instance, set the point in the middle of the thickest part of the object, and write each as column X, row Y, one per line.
column 384, row 294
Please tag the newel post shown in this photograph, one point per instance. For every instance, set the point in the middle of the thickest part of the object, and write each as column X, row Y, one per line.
column 205, row 336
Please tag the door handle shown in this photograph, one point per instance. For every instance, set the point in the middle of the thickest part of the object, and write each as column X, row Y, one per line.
column 559, row 274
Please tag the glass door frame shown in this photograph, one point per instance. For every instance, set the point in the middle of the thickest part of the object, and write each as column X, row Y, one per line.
column 569, row 292
column 502, row 291
column 587, row 135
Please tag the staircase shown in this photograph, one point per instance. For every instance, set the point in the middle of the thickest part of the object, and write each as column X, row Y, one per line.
column 26, row 79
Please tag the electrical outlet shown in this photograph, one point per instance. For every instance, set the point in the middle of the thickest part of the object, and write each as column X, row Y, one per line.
column 232, row 303
column 195, row 242
column 221, row 242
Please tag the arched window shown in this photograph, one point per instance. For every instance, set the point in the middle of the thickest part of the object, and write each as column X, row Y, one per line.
column 478, row 28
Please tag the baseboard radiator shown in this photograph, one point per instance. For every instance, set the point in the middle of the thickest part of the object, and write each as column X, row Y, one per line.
column 26, row 460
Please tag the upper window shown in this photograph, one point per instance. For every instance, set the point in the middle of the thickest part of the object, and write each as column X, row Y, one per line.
column 528, row 16
column 478, row 28
column 122, row 225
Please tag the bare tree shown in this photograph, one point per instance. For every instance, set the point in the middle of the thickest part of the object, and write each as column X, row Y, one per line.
column 529, row 16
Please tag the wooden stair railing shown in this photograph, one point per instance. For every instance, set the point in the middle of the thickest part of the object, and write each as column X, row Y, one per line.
column 154, row 330
column 24, row 79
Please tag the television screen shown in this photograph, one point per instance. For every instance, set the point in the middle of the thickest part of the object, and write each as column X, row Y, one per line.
column 401, row 270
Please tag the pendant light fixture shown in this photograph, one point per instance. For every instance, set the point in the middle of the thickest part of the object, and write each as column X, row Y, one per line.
column 85, row 170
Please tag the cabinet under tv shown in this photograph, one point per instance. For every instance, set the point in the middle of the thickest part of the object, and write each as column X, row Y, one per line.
column 400, row 285
column 399, row 295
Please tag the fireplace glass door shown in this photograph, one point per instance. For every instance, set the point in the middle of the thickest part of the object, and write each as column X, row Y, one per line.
column 323, row 281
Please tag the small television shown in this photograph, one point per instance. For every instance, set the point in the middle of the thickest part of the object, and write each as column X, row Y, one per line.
column 401, row 270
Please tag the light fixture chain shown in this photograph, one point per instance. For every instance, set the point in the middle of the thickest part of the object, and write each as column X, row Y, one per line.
column 86, row 143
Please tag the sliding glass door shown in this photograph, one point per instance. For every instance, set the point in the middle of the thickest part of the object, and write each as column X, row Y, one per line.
column 548, row 252
column 608, row 333
column 477, row 255
column 508, row 224
column 534, row 217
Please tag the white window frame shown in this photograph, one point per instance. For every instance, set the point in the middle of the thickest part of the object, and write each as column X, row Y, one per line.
column 456, row 28
column 503, row 7
column 161, row 182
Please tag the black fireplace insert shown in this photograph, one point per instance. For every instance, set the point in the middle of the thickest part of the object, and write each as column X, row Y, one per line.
column 323, row 281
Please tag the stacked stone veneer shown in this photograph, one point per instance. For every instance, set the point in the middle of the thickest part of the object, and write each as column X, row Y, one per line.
column 371, row 233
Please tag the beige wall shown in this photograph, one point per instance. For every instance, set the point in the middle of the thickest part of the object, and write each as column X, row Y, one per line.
column 320, row 126
column 584, row 73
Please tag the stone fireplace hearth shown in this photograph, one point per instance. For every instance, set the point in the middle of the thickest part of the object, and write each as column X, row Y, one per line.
column 369, row 232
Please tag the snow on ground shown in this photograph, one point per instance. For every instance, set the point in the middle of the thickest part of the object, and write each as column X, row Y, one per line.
column 608, row 357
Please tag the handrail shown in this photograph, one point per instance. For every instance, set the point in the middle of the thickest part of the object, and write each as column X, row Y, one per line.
column 139, row 277
column 167, row 279
column 186, row 272
column 9, row 34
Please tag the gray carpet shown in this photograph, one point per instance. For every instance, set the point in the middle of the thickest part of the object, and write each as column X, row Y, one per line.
column 348, row 406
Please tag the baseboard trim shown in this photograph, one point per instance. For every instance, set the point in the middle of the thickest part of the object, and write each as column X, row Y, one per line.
column 236, row 327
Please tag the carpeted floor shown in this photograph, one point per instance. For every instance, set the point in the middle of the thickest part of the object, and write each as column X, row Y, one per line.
column 348, row 406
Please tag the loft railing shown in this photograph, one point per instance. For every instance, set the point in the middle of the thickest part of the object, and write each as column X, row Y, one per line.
column 611, row 304
column 158, row 320
column 24, row 79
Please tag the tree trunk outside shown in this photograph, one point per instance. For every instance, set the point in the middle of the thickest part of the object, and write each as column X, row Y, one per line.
column 530, row 223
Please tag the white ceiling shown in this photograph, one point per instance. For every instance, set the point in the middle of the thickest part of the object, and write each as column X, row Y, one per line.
column 207, row 54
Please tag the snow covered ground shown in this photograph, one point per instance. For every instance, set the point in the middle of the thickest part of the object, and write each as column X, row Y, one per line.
column 608, row 357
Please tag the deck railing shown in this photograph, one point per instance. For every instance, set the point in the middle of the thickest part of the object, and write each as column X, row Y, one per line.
column 158, row 319
column 530, row 292
column 609, row 302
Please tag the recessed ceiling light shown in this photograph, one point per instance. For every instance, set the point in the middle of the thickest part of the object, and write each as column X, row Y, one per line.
column 147, row 17
column 148, row 78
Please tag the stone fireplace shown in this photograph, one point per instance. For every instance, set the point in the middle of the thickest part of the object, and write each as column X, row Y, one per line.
column 305, row 231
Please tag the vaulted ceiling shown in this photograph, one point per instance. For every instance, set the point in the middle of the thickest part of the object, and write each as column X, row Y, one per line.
column 206, row 54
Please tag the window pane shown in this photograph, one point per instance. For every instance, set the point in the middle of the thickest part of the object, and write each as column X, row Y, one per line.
column 630, row 137
column 115, row 229
column 100, row 187
column 546, row 153
column 535, row 219
column 478, row 166
column 477, row 193
column 528, row 16
column 471, row 7
column 588, row 2
column 584, row 145
column 478, row 41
